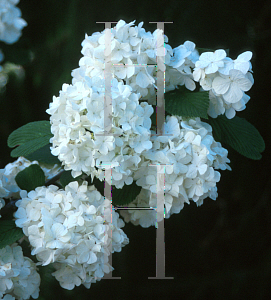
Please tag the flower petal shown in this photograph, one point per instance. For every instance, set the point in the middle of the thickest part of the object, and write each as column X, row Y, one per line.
column 221, row 85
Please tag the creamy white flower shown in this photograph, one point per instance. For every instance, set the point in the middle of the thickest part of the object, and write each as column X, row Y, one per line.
column 232, row 86
column 132, row 49
column 18, row 275
column 71, row 275
column 218, row 106
column 78, row 127
column 242, row 63
column 210, row 62
column 71, row 228
column 188, row 149
column 8, row 174
column 191, row 158
column 174, row 78
column 180, row 67
column 226, row 80
column 11, row 22
column 183, row 52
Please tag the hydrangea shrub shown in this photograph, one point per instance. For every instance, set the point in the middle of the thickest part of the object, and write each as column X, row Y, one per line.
column 55, row 190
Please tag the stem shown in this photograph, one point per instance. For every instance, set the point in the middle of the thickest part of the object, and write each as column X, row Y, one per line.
column 54, row 179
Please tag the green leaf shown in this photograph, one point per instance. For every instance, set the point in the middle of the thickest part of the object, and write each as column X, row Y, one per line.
column 66, row 178
column 125, row 195
column 47, row 280
column 43, row 155
column 119, row 196
column 30, row 138
column 9, row 233
column 185, row 103
column 98, row 184
column 239, row 134
column 30, row 178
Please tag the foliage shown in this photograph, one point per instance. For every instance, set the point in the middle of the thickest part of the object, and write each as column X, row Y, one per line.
column 184, row 103
column 29, row 138
column 239, row 134
column 9, row 233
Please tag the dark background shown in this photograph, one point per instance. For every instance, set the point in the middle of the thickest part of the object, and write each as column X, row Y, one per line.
column 220, row 250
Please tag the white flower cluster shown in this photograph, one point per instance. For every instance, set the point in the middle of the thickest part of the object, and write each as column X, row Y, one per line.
column 11, row 22
column 191, row 153
column 226, row 80
column 78, row 127
column 191, row 157
column 77, row 115
column 71, row 228
column 18, row 275
column 182, row 62
column 133, row 54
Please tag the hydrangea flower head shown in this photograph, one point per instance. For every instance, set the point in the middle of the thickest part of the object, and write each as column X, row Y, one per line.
column 226, row 80
column 191, row 157
column 71, row 228
column 11, row 22
column 79, row 141
column 18, row 275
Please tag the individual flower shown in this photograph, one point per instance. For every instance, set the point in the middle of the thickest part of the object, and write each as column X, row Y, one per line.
column 18, row 274
column 71, row 228
column 11, row 22
column 232, row 86
column 208, row 63
column 241, row 63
